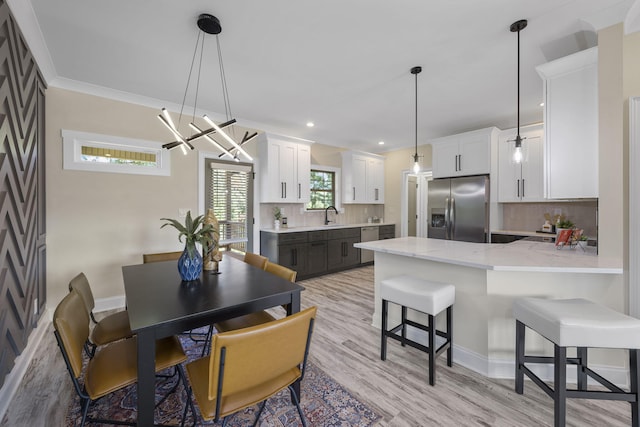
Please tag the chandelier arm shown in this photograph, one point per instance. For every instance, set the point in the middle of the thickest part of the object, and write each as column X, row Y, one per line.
column 227, row 137
column 206, row 134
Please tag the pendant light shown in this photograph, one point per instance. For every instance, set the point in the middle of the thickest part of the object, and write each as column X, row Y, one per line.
column 416, row 158
column 208, row 24
column 517, row 153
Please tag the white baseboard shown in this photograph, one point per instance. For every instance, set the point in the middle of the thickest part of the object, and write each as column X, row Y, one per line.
column 14, row 378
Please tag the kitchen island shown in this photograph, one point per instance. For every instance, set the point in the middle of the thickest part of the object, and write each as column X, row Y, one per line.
column 488, row 277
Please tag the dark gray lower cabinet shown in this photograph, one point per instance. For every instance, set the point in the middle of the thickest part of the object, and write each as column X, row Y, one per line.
column 313, row 253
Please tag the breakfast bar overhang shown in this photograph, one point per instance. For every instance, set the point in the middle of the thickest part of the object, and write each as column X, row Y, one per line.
column 488, row 277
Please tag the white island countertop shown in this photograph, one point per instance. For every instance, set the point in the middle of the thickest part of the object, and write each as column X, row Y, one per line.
column 520, row 255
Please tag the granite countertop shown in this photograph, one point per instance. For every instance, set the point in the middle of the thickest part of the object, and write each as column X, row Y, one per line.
column 521, row 256
column 296, row 229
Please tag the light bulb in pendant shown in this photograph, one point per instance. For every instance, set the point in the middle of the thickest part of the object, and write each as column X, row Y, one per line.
column 517, row 155
column 416, row 167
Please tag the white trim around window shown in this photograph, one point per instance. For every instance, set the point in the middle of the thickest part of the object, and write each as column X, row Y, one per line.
column 74, row 141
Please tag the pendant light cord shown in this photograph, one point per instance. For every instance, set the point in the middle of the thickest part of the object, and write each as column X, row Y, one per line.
column 518, row 137
column 416, row 124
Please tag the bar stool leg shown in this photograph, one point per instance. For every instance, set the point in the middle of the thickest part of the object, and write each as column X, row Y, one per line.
column 520, row 332
column 560, row 386
column 450, row 335
column 634, row 374
column 383, row 331
column 582, row 365
column 404, row 326
column 432, row 350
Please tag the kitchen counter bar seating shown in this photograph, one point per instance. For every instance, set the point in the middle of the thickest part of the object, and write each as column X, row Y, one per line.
column 582, row 324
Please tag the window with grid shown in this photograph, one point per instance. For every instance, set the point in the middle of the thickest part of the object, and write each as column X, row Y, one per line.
column 229, row 196
column 323, row 189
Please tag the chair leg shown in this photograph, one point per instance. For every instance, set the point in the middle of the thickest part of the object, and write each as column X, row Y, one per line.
column 520, row 333
column 262, row 405
column 582, row 365
column 295, row 399
column 432, row 350
column 560, row 386
column 634, row 373
column 404, row 326
column 450, row 335
column 383, row 331
column 85, row 410
column 207, row 341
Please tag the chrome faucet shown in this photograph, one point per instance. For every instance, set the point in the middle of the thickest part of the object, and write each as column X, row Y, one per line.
column 326, row 212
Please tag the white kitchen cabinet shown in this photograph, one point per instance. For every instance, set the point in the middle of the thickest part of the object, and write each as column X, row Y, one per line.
column 521, row 182
column 571, row 125
column 362, row 178
column 285, row 168
column 463, row 154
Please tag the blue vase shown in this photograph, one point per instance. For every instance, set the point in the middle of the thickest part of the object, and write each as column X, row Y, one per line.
column 190, row 267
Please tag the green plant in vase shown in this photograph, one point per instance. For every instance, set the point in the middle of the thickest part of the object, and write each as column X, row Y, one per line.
column 194, row 231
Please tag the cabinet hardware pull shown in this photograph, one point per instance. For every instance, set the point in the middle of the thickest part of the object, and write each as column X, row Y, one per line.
column 518, row 188
column 299, row 191
column 459, row 162
column 354, row 193
column 295, row 256
column 523, row 188
column 376, row 195
column 285, row 190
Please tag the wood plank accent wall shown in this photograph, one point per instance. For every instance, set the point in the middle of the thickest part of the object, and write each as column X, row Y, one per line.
column 22, row 192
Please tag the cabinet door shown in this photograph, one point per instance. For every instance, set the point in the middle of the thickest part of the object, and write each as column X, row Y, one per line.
column 571, row 125
column 375, row 181
column 445, row 159
column 474, row 155
column 509, row 172
column 532, row 187
column 303, row 172
column 334, row 253
column 293, row 256
column 317, row 257
column 287, row 171
column 358, row 180
column 351, row 255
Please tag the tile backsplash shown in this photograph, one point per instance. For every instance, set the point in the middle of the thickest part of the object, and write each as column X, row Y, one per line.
column 353, row 214
column 530, row 216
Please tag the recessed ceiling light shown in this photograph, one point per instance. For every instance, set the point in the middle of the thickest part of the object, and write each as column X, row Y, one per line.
column 310, row 124
column 381, row 143
column 542, row 104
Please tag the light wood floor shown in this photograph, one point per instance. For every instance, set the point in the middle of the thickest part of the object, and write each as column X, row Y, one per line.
column 346, row 346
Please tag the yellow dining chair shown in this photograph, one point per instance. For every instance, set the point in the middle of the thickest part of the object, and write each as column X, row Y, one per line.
column 259, row 317
column 161, row 256
column 113, row 327
column 256, row 260
column 112, row 367
column 247, row 366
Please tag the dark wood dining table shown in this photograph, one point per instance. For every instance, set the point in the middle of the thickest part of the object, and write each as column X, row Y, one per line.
column 160, row 304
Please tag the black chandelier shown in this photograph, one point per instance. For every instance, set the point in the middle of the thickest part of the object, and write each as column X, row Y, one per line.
column 416, row 158
column 517, row 153
column 208, row 24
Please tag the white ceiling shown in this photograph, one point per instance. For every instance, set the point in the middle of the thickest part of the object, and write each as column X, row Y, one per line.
column 342, row 64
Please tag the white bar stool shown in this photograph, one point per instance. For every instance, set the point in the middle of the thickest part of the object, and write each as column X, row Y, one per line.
column 582, row 324
column 425, row 296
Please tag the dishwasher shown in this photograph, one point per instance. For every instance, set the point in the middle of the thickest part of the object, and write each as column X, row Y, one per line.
column 367, row 234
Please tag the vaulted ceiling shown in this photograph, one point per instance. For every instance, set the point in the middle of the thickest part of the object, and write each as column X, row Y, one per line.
column 342, row 64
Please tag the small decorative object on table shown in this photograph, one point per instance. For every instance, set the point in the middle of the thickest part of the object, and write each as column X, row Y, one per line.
column 211, row 253
column 190, row 262
column 277, row 215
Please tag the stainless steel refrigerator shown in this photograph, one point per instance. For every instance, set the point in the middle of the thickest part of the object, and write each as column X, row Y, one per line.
column 459, row 208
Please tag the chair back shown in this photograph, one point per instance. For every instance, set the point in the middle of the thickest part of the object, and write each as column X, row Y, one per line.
column 259, row 361
column 280, row 271
column 161, row 256
column 71, row 323
column 256, row 260
column 80, row 284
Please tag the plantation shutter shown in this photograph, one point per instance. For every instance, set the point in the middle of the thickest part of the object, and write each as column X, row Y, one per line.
column 229, row 196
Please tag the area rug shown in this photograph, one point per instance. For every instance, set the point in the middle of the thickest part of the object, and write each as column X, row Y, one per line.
column 324, row 403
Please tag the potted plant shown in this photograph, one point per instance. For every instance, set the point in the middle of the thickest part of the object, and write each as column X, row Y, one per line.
column 194, row 231
column 277, row 215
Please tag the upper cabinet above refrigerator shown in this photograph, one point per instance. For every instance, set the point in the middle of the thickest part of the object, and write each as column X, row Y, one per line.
column 463, row 154
column 571, row 125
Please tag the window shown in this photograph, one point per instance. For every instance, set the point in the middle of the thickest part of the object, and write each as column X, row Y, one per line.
column 229, row 198
column 323, row 189
column 104, row 153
